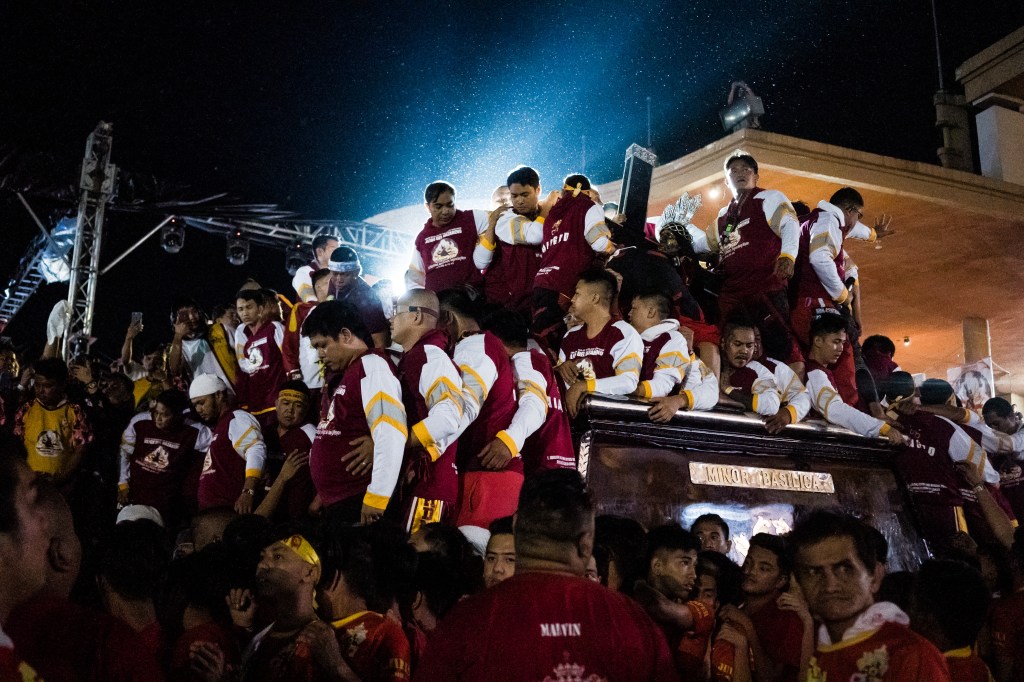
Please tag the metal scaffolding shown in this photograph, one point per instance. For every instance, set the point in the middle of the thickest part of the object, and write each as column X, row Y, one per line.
column 97, row 185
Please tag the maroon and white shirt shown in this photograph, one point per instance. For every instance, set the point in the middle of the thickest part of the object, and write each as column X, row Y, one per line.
column 540, row 427
column 574, row 234
column 155, row 463
column 666, row 360
column 821, row 264
column 237, row 452
column 262, row 366
column 444, row 257
column 365, row 401
column 792, row 391
column 432, row 391
column 829, row 404
column 750, row 239
column 489, row 399
column 512, row 265
column 610, row 362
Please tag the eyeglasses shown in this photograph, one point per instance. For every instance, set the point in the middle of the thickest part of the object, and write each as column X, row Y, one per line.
column 860, row 213
column 416, row 309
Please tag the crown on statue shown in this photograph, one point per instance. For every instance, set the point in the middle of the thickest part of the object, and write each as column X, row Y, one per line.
column 681, row 212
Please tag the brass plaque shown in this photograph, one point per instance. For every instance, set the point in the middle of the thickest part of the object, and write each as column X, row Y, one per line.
column 732, row 476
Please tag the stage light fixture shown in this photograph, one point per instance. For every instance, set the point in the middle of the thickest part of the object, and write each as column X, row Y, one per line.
column 172, row 236
column 743, row 110
column 238, row 247
column 296, row 256
column 906, row 340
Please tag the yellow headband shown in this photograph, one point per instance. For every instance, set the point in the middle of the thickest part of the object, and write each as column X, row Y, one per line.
column 293, row 394
column 575, row 190
column 301, row 546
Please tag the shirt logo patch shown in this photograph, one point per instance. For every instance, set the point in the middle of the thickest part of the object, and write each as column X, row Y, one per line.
column 48, row 444
column 156, row 460
column 445, row 251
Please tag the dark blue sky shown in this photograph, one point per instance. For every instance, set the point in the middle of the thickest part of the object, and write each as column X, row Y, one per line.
column 345, row 109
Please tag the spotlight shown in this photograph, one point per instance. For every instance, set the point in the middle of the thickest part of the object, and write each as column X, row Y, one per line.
column 296, row 256
column 715, row 192
column 743, row 110
column 906, row 340
column 238, row 247
column 172, row 236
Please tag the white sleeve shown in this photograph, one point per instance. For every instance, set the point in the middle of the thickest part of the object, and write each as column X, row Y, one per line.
column 766, row 399
column 478, row 376
column 532, row 396
column 204, row 438
column 862, row 232
column 415, row 276
column 670, row 368
column 247, row 440
column 128, row 447
column 516, row 229
column 962, row 448
column 303, row 284
column 781, row 217
column 992, row 440
column 385, row 415
column 627, row 356
column 826, row 240
column 279, row 335
column 827, row 401
column 483, row 253
column 441, row 388
column 240, row 340
column 596, row 231
column 701, row 386
column 794, row 394
column 699, row 239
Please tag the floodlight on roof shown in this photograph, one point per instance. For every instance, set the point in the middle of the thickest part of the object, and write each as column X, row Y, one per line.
column 743, row 110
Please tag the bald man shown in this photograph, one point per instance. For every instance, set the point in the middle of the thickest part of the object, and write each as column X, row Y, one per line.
column 432, row 391
column 66, row 641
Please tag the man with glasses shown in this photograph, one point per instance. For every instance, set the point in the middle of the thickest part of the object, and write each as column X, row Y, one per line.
column 432, row 391
column 821, row 275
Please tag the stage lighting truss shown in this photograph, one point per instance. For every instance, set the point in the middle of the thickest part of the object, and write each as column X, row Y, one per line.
column 172, row 236
column 238, row 247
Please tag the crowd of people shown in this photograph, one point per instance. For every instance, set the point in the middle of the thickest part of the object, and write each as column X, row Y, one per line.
column 345, row 486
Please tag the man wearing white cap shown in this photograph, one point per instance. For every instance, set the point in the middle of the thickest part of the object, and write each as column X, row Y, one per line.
column 347, row 285
column 234, row 463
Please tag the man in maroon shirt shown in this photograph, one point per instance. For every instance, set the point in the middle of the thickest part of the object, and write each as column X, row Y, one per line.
column 258, row 342
column 66, row 641
column 23, row 549
column 447, row 249
column 364, row 400
column 289, row 499
column 548, row 621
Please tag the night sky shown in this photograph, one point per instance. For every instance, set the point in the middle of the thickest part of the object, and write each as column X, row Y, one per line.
column 342, row 110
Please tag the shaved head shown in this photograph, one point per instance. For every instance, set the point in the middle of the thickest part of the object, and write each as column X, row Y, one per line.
column 421, row 298
column 416, row 314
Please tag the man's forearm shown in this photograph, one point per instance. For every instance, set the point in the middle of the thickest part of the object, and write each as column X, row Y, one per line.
column 174, row 357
